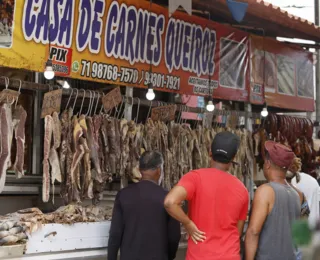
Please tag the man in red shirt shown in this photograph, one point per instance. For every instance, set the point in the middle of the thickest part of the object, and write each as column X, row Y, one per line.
column 218, row 204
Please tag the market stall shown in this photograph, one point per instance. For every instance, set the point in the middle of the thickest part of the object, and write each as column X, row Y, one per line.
column 75, row 137
column 71, row 136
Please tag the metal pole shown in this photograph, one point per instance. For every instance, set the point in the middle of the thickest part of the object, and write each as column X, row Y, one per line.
column 128, row 116
column 248, row 109
column 36, row 141
column 317, row 22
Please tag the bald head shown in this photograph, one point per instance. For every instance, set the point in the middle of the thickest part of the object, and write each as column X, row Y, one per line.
column 151, row 165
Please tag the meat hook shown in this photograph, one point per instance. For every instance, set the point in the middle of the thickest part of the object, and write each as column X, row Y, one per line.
column 183, row 119
column 215, row 123
column 138, row 108
column 6, row 82
column 187, row 110
column 95, row 110
column 149, row 109
column 84, row 96
column 197, row 124
column 101, row 104
column 125, row 100
column 69, row 99
column 115, row 107
column 96, row 106
column 50, row 87
column 75, row 100
column 92, row 103
column 178, row 118
column 122, row 114
column 89, row 102
column 120, row 109
column 184, row 110
column 20, row 84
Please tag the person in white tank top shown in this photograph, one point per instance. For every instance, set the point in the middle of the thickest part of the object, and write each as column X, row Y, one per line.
column 310, row 187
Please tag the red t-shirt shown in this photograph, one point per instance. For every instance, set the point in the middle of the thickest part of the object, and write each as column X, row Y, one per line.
column 217, row 201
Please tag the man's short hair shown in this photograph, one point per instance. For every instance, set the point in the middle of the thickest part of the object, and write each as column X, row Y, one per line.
column 150, row 160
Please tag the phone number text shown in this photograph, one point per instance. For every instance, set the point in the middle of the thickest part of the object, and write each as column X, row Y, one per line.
column 108, row 72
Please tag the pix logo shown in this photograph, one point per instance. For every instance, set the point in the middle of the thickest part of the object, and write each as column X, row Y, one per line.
column 59, row 54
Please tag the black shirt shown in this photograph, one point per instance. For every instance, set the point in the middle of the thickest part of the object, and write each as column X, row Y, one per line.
column 141, row 227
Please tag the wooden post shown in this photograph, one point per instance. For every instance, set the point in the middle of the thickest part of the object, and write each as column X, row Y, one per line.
column 248, row 109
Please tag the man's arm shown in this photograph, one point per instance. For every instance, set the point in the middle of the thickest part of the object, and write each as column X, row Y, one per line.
column 260, row 210
column 173, row 201
column 174, row 234
column 240, row 226
column 244, row 213
column 116, row 230
column 172, row 204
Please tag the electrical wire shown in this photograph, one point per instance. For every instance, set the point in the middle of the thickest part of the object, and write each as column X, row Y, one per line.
column 49, row 23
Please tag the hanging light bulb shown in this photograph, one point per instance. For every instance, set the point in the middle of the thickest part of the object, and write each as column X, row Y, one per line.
column 264, row 112
column 150, row 94
column 210, row 106
column 49, row 72
column 66, row 85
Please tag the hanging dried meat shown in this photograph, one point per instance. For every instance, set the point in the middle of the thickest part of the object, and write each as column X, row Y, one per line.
column 19, row 131
column 48, row 128
column 293, row 132
column 6, row 133
column 88, row 151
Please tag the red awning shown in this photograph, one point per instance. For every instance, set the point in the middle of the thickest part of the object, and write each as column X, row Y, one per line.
column 260, row 14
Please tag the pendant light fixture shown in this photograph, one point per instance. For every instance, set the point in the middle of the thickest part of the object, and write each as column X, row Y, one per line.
column 49, row 72
column 264, row 112
column 150, row 94
column 210, row 106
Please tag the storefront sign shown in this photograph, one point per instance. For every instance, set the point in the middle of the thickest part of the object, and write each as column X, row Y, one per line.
column 192, row 101
column 112, row 99
column 51, row 102
column 9, row 96
column 282, row 73
column 164, row 113
column 115, row 42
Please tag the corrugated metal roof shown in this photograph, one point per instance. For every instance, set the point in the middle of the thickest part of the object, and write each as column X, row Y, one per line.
column 260, row 14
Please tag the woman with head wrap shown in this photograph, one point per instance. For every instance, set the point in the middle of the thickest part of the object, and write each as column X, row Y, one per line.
column 293, row 171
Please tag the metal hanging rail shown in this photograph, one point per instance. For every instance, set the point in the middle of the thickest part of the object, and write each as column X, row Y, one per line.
column 197, row 110
column 15, row 83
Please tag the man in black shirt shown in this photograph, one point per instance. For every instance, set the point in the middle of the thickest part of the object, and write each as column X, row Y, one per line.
column 140, row 226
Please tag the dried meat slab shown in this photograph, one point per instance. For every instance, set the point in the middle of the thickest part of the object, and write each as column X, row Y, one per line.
column 6, row 133
column 48, row 130
column 20, row 137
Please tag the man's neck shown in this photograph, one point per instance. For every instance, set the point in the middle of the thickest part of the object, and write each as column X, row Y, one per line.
column 149, row 179
column 278, row 179
column 219, row 166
